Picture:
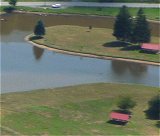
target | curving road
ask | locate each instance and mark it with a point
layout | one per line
(85, 4)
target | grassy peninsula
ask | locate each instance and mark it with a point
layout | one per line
(76, 110)
(97, 41)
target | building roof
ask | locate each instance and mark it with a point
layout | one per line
(119, 116)
(151, 46)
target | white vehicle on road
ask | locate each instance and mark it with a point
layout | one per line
(56, 5)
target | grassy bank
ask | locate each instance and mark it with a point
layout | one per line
(42, 0)
(151, 13)
(128, 1)
(76, 110)
(98, 41)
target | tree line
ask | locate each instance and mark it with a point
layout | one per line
(129, 29)
(153, 112)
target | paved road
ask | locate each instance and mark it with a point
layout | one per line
(85, 4)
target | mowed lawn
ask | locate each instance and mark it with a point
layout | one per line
(76, 110)
(150, 1)
(97, 41)
(151, 13)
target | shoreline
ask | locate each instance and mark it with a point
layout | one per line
(89, 55)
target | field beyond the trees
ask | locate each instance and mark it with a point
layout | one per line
(76, 110)
(135, 1)
(151, 13)
(96, 41)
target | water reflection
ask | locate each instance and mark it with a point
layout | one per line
(26, 22)
(38, 52)
(121, 67)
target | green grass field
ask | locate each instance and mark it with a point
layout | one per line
(145, 1)
(129, 1)
(75, 110)
(41, 0)
(98, 41)
(151, 13)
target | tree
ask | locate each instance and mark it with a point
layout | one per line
(107, 0)
(39, 29)
(12, 2)
(154, 108)
(8, 9)
(126, 103)
(123, 25)
(141, 31)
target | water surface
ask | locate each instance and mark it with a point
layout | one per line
(25, 67)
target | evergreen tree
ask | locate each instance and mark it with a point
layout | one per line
(39, 29)
(123, 25)
(12, 2)
(154, 108)
(141, 31)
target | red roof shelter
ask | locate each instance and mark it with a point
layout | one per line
(151, 47)
(119, 116)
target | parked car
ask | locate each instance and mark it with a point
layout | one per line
(56, 5)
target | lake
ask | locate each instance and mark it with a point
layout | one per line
(25, 67)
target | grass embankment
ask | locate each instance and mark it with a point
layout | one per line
(128, 1)
(41, 0)
(151, 13)
(139, 1)
(98, 41)
(76, 110)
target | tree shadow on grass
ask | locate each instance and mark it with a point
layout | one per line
(116, 44)
(137, 48)
(35, 38)
(147, 52)
(131, 48)
(158, 124)
(9, 9)
(114, 122)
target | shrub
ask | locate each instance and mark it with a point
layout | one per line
(126, 103)
(153, 111)
(8, 9)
